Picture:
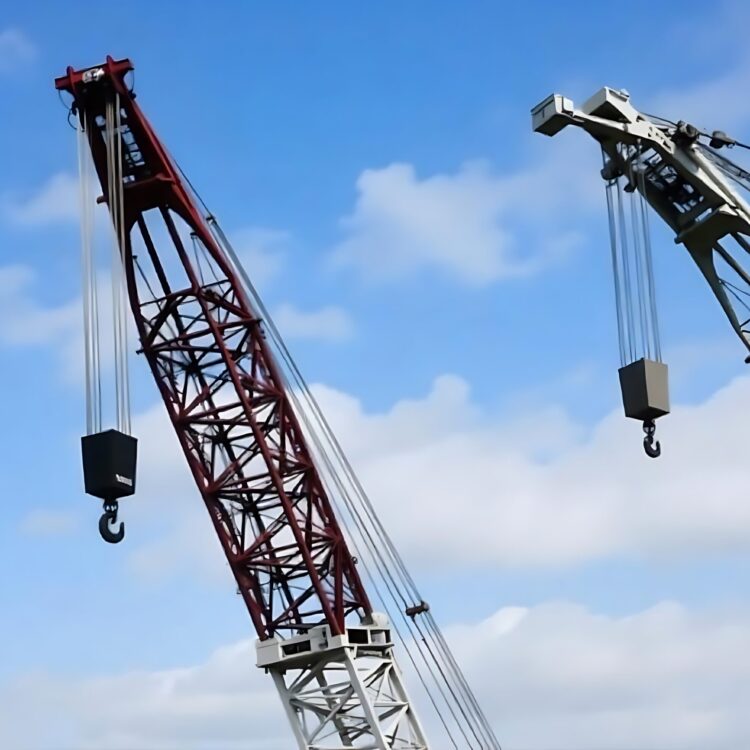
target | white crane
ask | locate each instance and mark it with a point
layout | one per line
(676, 169)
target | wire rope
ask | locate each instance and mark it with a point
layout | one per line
(394, 577)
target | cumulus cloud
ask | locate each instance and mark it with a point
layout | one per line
(476, 225)
(479, 225)
(57, 200)
(326, 324)
(47, 522)
(224, 703)
(541, 491)
(557, 675)
(712, 100)
(261, 251)
(26, 320)
(561, 676)
(16, 49)
(535, 491)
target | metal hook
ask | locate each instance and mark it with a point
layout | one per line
(109, 518)
(651, 446)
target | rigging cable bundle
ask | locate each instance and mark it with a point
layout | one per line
(109, 456)
(641, 365)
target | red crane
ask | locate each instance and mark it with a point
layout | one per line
(331, 656)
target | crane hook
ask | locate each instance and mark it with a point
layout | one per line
(109, 518)
(651, 446)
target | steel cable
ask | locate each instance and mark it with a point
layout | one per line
(89, 291)
(632, 257)
(461, 685)
(371, 531)
(115, 200)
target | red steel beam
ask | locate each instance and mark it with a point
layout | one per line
(220, 383)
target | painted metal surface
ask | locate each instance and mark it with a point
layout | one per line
(221, 386)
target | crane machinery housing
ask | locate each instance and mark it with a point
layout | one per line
(283, 501)
(677, 170)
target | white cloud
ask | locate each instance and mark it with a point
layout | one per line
(261, 252)
(552, 676)
(29, 322)
(167, 499)
(475, 225)
(326, 324)
(59, 327)
(224, 703)
(561, 676)
(711, 104)
(43, 522)
(57, 200)
(25, 320)
(16, 49)
(479, 225)
(711, 100)
(538, 490)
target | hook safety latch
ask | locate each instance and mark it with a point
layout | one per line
(651, 446)
(107, 522)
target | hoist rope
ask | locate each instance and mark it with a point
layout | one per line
(383, 566)
(386, 580)
(429, 643)
(626, 275)
(419, 635)
(92, 359)
(649, 258)
(124, 311)
(637, 250)
(631, 254)
(616, 276)
(115, 198)
(90, 289)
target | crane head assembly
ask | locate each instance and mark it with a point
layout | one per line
(676, 169)
(284, 501)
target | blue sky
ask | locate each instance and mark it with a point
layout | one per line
(442, 274)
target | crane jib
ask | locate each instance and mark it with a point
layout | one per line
(283, 499)
(220, 384)
(675, 169)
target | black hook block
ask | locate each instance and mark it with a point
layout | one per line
(109, 464)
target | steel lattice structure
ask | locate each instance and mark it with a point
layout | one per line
(230, 408)
(688, 183)
(221, 386)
